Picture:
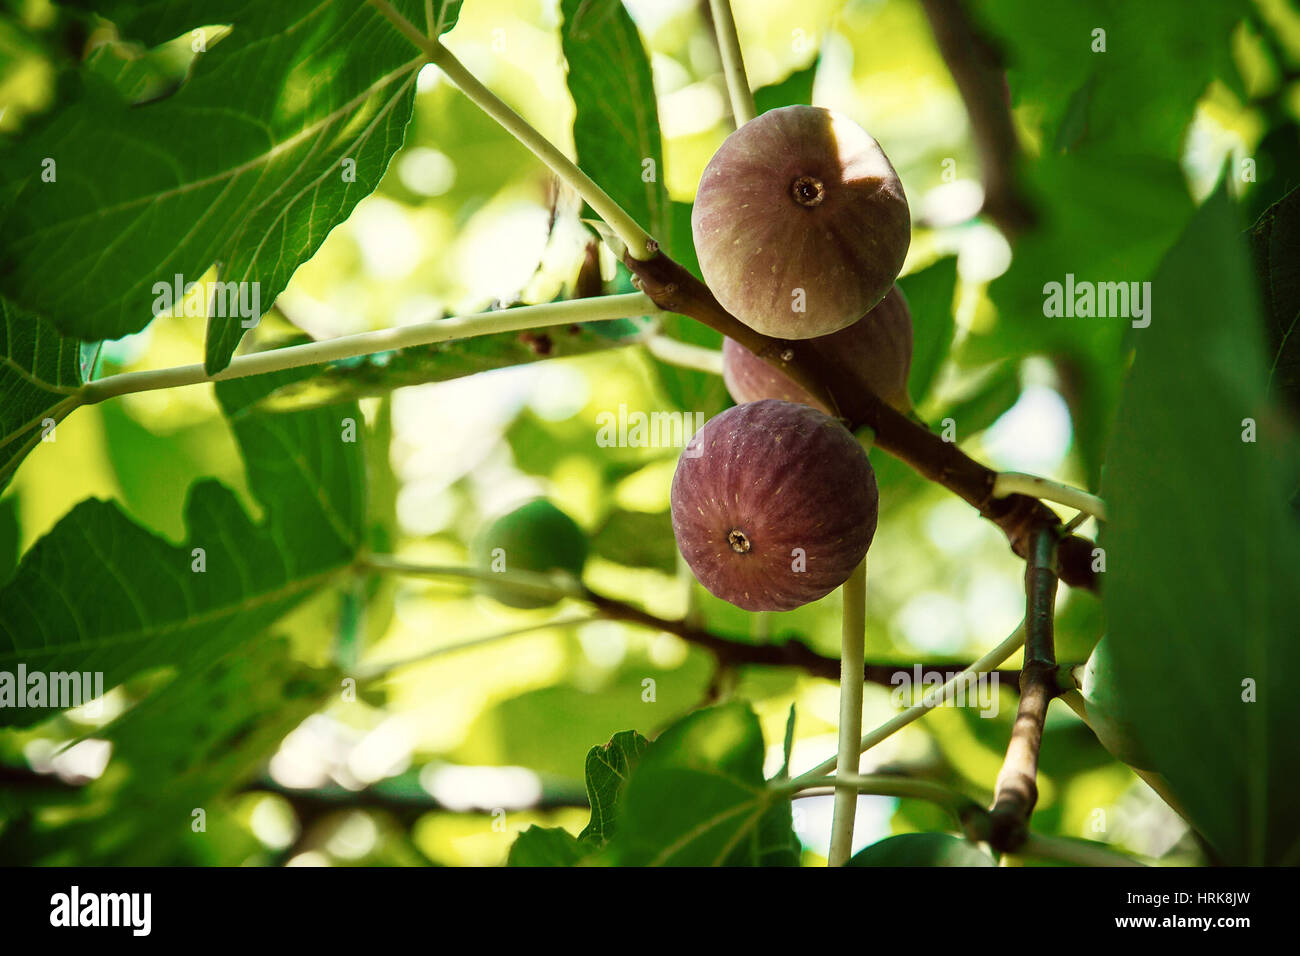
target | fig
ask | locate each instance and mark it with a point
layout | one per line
(800, 223)
(773, 505)
(878, 346)
(1106, 712)
(536, 537)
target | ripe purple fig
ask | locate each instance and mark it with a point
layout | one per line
(878, 346)
(773, 504)
(800, 223)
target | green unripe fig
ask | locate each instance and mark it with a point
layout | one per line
(1106, 711)
(536, 537)
(878, 346)
(800, 223)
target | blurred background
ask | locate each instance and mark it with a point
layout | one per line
(446, 758)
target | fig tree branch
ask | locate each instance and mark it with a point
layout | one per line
(728, 652)
(1016, 791)
(976, 69)
(823, 373)
(407, 807)
(637, 240)
(382, 340)
(733, 63)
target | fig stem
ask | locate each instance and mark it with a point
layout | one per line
(623, 306)
(733, 63)
(383, 669)
(684, 355)
(931, 699)
(638, 241)
(853, 640)
(1016, 483)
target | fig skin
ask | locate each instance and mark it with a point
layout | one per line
(538, 537)
(759, 481)
(800, 198)
(878, 346)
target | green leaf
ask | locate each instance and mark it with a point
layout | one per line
(244, 167)
(1139, 96)
(996, 392)
(608, 768)
(922, 849)
(796, 89)
(1109, 190)
(40, 373)
(616, 128)
(697, 797)
(1275, 242)
(929, 298)
(549, 729)
(1201, 550)
(200, 737)
(638, 539)
(9, 536)
(100, 593)
(546, 846)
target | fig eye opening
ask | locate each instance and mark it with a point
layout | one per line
(808, 191)
(739, 543)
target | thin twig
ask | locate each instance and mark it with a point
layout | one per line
(733, 63)
(976, 69)
(1015, 483)
(964, 810)
(637, 240)
(792, 652)
(684, 355)
(853, 648)
(1016, 791)
(384, 668)
(931, 700)
(382, 340)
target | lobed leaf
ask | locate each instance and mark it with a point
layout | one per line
(247, 166)
(100, 593)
